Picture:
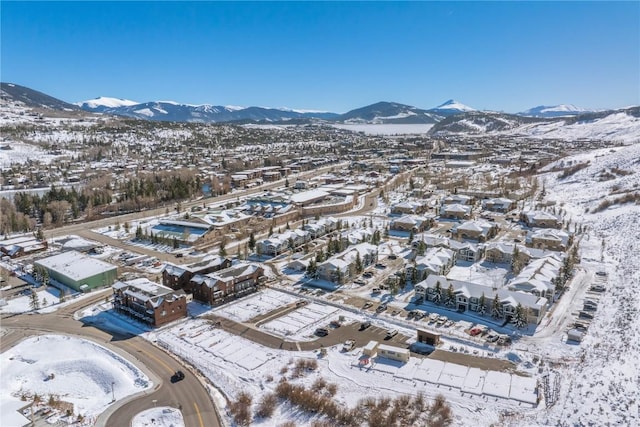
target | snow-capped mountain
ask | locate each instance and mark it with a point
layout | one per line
(614, 125)
(103, 103)
(174, 111)
(450, 108)
(562, 110)
(389, 112)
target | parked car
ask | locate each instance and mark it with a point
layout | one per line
(381, 308)
(504, 340)
(177, 376)
(367, 275)
(301, 303)
(360, 282)
(442, 320)
(381, 266)
(364, 325)
(433, 317)
(449, 323)
(492, 337)
(376, 291)
(348, 345)
(410, 315)
(420, 314)
(585, 315)
(322, 332)
(367, 305)
(601, 273)
(391, 333)
(598, 288)
(395, 312)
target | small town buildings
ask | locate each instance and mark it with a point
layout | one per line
(370, 349)
(149, 302)
(79, 271)
(224, 285)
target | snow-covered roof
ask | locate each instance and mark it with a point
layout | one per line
(75, 265)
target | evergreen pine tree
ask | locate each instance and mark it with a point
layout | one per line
(252, 241)
(451, 296)
(482, 309)
(34, 302)
(496, 308)
(437, 295)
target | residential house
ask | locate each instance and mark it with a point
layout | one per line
(551, 239)
(223, 285)
(539, 277)
(499, 204)
(413, 223)
(467, 251)
(475, 230)
(149, 302)
(540, 219)
(458, 199)
(455, 211)
(435, 261)
(343, 265)
(408, 208)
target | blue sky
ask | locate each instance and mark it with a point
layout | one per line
(333, 56)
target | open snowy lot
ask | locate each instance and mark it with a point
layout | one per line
(254, 305)
(235, 365)
(301, 323)
(72, 370)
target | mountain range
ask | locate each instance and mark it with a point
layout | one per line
(450, 118)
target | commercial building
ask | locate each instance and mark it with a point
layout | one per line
(78, 271)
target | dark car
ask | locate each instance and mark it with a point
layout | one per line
(178, 376)
(381, 308)
(322, 332)
(364, 325)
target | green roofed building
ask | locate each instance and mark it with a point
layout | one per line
(78, 271)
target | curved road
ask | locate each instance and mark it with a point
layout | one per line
(189, 394)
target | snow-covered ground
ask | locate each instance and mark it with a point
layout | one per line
(235, 364)
(72, 370)
(164, 416)
(599, 378)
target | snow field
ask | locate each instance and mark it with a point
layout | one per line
(302, 322)
(84, 373)
(254, 305)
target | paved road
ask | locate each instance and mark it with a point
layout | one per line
(189, 394)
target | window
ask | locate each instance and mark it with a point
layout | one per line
(163, 313)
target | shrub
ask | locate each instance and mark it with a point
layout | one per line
(267, 405)
(241, 409)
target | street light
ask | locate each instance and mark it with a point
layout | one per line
(154, 402)
(113, 394)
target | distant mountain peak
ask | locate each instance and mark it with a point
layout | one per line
(452, 104)
(560, 110)
(106, 102)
